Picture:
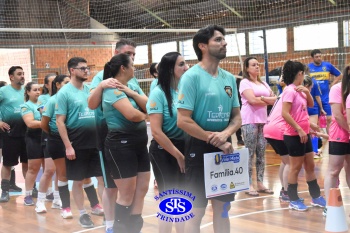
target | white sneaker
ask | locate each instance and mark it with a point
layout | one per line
(40, 207)
(97, 210)
(66, 213)
(56, 204)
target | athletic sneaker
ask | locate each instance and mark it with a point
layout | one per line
(85, 221)
(109, 230)
(319, 202)
(15, 188)
(324, 212)
(5, 196)
(49, 197)
(40, 207)
(28, 201)
(66, 213)
(284, 198)
(97, 210)
(297, 205)
(56, 204)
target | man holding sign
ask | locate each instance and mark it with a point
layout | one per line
(208, 111)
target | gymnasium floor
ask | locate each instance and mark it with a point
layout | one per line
(248, 214)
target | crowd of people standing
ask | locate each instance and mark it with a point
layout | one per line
(81, 131)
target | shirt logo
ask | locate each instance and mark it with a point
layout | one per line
(180, 97)
(324, 68)
(153, 105)
(117, 92)
(228, 91)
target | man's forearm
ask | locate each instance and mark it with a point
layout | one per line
(95, 97)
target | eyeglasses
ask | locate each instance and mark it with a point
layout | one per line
(83, 69)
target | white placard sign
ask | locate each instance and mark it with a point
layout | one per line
(225, 174)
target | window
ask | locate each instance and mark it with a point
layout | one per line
(276, 41)
(316, 36)
(346, 25)
(141, 56)
(232, 49)
(187, 51)
(158, 50)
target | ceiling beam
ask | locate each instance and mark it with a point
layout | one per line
(333, 2)
(153, 14)
(233, 10)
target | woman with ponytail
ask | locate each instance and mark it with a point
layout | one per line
(295, 100)
(168, 144)
(57, 153)
(126, 143)
(339, 147)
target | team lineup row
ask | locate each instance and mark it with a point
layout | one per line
(100, 131)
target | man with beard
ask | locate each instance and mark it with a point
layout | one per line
(208, 111)
(322, 71)
(11, 122)
(76, 126)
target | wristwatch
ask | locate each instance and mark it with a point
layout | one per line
(262, 97)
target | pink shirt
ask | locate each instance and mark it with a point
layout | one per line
(298, 110)
(336, 132)
(253, 114)
(275, 125)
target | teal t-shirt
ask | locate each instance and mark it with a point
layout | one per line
(49, 111)
(11, 100)
(80, 120)
(115, 120)
(42, 100)
(157, 103)
(154, 83)
(30, 107)
(210, 99)
(94, 83)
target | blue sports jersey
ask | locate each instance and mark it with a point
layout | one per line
(322, 75)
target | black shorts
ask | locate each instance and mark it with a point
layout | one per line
(13, 148)
(33, 145)
(339, 148)
(55, 147)
(101, 134)
(165, 167)
(295, 147)
(86, 165)
(279, 146)
(106, 172)
(194, 176)
(44, 137)
(126, 153)
(1, 140)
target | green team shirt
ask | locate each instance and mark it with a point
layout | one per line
(94, 83)
(157, 103)
(154, 83)
(210, 99)
(80, 120)
(42, 100)
(49, 111)
(115, 120)
(11, 100)
(30, 107)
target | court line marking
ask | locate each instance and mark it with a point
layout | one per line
(256, 212)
